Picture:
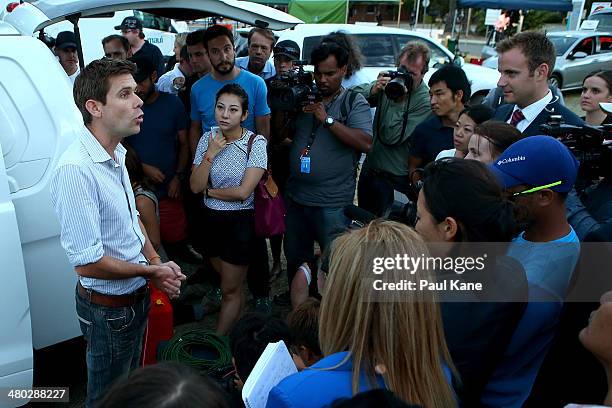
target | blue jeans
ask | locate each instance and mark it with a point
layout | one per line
(114, 341)
(305, 225)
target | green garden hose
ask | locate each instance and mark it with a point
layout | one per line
(180, 347)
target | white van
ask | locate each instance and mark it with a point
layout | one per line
(38, 120)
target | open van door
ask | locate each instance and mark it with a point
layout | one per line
(48, 12)
(16, 362)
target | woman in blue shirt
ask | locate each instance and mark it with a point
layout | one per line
(374, 338)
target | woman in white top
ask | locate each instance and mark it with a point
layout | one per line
(469, 118)
(227, 172)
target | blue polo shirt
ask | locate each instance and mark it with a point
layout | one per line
(429, 138)
(204, 92)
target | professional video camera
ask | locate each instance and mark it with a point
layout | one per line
(592, 146)
(293, 90)
(400, 84)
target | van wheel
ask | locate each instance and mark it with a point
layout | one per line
(555, 80)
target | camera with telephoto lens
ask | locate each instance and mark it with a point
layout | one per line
(293, 90)
(400, 84)
(592, 146)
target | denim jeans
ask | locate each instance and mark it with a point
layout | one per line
(114, 341)
(305, 225)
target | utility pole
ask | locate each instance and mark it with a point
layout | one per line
(399, 12)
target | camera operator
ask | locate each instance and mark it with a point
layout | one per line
(330, 136)
(526, 62)
(399, 110)
(282, 127)
(591, 209)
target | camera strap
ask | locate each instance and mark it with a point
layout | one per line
(349, 96)
(401, 137)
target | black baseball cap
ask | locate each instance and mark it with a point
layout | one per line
(129, 23)
(65, 39)
(288, 48)
(144, 67)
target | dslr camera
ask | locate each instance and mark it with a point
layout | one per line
(400, 84)
(293, 90)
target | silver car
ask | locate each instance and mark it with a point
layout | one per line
(578, 54)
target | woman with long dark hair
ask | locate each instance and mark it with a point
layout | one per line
(463, 212)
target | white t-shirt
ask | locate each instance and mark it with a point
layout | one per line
(446, 153)
(357, 78)
(72, 77)
(228, 168)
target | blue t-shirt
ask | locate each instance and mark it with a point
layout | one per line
(548, 264)
(204, 92)
(157, 143)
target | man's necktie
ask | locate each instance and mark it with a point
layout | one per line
(517, 116)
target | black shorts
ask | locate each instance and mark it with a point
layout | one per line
(229, 235)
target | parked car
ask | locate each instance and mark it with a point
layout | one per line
(578, 53)
(381, 46)
(38, 121)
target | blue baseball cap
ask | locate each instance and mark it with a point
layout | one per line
(537, 161)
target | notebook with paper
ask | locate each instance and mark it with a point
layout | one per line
(274, 365)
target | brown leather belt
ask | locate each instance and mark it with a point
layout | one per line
(113, 300)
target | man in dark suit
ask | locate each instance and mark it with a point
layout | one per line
(526, 61)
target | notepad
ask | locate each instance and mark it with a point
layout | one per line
(274, 364)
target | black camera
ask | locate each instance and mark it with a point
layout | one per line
(400, 84)
(592, 146)
(293, 90)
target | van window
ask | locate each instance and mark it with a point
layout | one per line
(377, 50)
(154, 22)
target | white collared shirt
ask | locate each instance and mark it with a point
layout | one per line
(268, 71)
(95, 206)
(165, 83)
(531, 112)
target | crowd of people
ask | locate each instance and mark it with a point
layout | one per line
(167, 167)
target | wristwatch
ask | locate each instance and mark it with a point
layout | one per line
(328, 122)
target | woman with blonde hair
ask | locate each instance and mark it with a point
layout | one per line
(374, 338)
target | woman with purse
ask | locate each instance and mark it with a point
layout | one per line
(227, 170)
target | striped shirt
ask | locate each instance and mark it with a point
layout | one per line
(95, 205)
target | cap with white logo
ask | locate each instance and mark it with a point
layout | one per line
(537, 161)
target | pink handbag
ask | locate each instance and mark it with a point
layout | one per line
(269, 206)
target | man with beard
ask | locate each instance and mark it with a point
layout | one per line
(163, 148)
(219, 45)
(66, 51)
(261, 41)
(329, 139)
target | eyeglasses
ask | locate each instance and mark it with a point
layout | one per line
(538, 188)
